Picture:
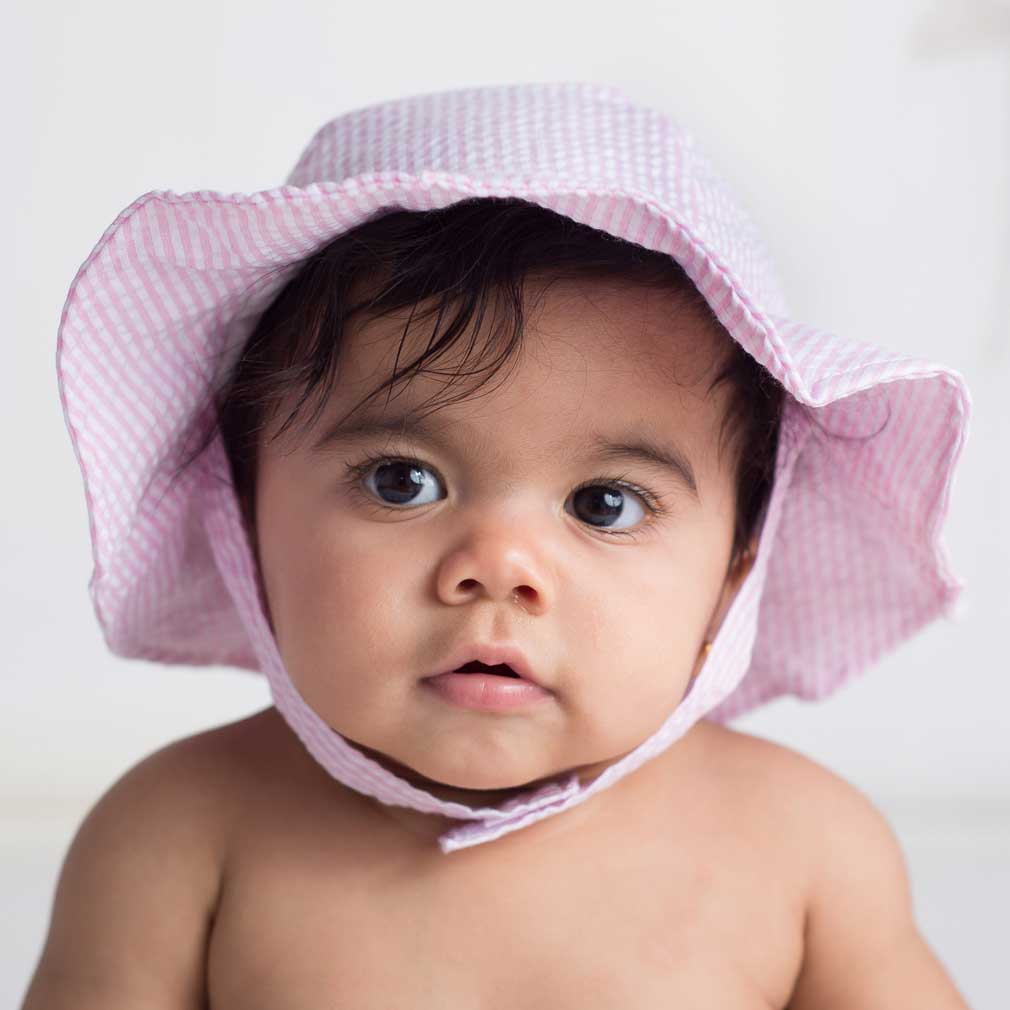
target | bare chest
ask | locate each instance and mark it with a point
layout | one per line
(607, 921)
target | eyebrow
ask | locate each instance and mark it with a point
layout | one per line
(634, 447)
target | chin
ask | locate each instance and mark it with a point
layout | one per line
(472, 779)
(432, 777)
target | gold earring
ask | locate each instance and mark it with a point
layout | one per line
(706, 648)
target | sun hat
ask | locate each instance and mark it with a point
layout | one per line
(850, 561)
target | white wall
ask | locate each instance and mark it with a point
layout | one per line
(872, 141)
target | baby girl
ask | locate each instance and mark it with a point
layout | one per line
(487, 439)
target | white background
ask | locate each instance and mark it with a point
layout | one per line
(871, 140)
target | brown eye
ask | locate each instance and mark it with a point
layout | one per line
(401, 482)
(604, 505)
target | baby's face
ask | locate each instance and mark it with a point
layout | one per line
(375, 573)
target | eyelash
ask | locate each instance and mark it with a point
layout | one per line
(653, 504)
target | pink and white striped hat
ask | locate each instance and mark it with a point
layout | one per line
(850, 560)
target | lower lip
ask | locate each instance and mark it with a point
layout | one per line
(487, 692)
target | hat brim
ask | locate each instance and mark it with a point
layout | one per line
(161, 308)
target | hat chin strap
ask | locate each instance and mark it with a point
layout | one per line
(723, 669)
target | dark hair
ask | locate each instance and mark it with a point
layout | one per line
(463, 257)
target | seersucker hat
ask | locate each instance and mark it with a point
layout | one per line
(850, 560)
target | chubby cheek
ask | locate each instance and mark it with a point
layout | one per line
(640, 668)
(341, 610)
(636, 635)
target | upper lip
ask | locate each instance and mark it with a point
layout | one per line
(491, 654)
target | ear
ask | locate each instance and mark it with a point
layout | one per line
(731, 585)
(734, 580)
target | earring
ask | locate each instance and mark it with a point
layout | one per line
(706, 648)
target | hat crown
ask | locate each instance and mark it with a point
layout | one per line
(574, 136)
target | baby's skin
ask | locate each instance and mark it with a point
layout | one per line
(229, 870)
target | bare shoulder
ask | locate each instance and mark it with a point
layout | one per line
(197, 782)
(784, 780)
(791, 787)
(776, 795)
(139, 885)
(862, 947)
(834, 830)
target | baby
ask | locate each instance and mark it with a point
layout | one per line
(487, 440)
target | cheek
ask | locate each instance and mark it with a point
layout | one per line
(333, 596)
(639, 629)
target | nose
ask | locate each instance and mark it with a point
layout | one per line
(495, 565)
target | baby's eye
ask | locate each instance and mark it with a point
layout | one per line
(601, 504)
(403, 481)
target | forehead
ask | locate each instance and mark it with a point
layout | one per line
(600, 356)
(593, 329)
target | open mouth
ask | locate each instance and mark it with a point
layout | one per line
(499, 669)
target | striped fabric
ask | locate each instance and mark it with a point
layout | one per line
(850, 561)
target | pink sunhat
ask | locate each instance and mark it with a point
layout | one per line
(850, 560)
